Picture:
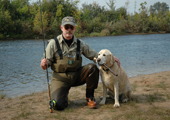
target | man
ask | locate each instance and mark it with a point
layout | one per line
(63, 54)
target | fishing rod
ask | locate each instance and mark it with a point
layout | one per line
(51, 103)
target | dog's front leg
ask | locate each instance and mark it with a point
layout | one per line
(104, 95)
(116, 89)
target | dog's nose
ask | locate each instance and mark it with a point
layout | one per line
(98, 59)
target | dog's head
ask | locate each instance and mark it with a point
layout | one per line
(105, 57)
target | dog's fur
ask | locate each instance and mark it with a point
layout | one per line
(117, 85)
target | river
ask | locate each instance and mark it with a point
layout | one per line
(20, 71)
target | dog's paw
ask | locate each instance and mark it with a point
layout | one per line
(116, 105)
(102, 102)
(125, 100)
(101, 97)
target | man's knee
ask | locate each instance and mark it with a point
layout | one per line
(61, 98)
(93, 76)
(61, 104)
(92, 67)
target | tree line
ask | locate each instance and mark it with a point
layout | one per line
(20, 19)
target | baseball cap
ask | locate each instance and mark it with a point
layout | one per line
(68, 20)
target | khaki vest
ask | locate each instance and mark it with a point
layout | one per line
(64, 63)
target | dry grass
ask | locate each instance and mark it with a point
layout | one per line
(150, 100)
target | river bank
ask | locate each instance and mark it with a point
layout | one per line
(88, 35)
(150, 100)
(21, 73)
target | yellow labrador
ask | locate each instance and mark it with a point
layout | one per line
(117, 85)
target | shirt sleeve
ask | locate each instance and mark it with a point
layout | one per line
(50, 50)
(87, 51)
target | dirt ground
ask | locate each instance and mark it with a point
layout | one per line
(150, 100)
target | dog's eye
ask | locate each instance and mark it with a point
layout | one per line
(98, 54)
(104, 54)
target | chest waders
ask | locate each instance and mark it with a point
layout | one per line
(64, 64)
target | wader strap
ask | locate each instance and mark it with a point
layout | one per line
(78, 49)
(58, 48)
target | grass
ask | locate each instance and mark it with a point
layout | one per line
(134, 86)
(23, 113)
(162, 85)
(156, 97)
(149, 104)
(168, 96)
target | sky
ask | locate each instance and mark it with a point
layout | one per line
(121, 3)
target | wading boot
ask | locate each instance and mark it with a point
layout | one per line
(91, 102)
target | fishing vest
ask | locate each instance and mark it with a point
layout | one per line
(63, 64)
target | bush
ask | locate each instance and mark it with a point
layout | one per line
(113, 34)
(105, 32)
(80, 35)
(2, 37)
(119, 26)
(95, 34)
(26, 28)
(94, 25)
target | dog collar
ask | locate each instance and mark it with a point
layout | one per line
(106, 70)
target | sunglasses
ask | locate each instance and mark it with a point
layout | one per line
(68, 26)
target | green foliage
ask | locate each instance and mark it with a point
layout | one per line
(91, 11)
(119, 26)
(105, 32)
(20, 9)
(142, 6)
(159, 7)
(38, 24)
(77, 17)
(94, 25)
(2, 36)
(59, 14)
(111, 4)
(5, 23)
(20, 19)
(95, 34)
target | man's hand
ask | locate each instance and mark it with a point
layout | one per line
(44, 64)
(117, 60)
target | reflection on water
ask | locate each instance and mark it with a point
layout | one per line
(20, 60)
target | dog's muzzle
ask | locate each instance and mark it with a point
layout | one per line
(98, 61)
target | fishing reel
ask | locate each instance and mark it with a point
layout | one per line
(52, 103)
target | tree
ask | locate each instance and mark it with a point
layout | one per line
(5, 22)
(159, 7)
(92, 10)
(144, 17)
(142, 6)
(5, 4)
(121, 12)
(59, 14)
(37, 22)
(111, 4)
(20, 9)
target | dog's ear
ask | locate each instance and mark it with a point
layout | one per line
(112, 59)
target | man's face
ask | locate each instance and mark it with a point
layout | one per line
(68, 31)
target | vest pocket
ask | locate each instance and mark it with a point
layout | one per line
(66, 64)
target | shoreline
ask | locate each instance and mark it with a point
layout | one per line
(150, 100)
(41, 38)
(45, 88)
(143, 75)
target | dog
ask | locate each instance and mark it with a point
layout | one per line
(117, 85)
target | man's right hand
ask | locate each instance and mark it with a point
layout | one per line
(44, 64)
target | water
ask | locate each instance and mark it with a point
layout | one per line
(20, 71)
